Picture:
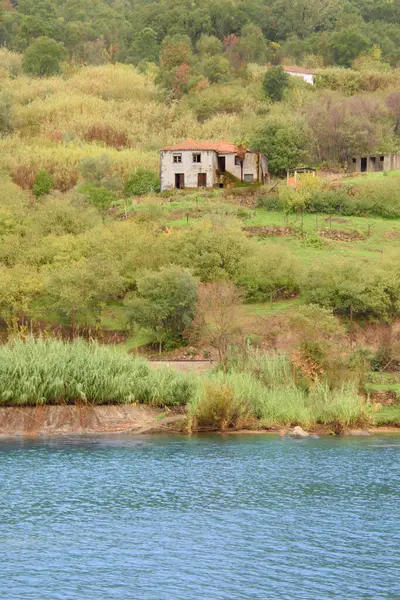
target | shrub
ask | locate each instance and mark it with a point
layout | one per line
(5, 113)
(217, 407)
(42, 184)
(108, 135)
(215, 100)
(141, 182)
(100, 197)
(24, 176)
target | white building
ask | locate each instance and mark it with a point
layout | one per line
(192, 164)
(305, 74)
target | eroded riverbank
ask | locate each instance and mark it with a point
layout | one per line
(109, 419)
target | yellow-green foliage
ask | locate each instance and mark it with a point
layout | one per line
(53, 118)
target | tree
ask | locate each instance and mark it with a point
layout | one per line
(98, 171)
(43, 57)
(145, 46)
(165, 302)
(209, 45)
(347, 44)
(346, 288)
(217, 318)
(282, 143)
(216, 68)
(344, 128)
(141, 182)
(253, 44)
(276, 80)
(393, 104)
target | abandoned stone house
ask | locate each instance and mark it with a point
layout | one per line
(373, 163)
(192, 164)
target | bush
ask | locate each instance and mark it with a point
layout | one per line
(100, 197)
(141, 182)
(108, 135)
(215, 100)
(42, 184)
(217, 407)
(5, 113)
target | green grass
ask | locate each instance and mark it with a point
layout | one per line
(265, 309)
(366, 177)
(383, 387)
(388, 415)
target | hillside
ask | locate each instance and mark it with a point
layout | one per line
(89, 248)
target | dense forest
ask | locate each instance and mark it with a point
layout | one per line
(323, 32)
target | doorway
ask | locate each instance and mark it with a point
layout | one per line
(202, 180)
(221, 164)
(179, 181)
(373, 163)
(363, 165)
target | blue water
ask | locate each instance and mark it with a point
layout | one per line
(193, 518)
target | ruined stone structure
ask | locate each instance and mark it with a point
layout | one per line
(373, 162)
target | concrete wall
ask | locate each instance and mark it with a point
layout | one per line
(168, 168)
(308, 77)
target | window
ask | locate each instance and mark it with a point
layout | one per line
(354, 160)
(196, 158)
(177, 158)
(249, 177)
(237, 160)
(382, 158)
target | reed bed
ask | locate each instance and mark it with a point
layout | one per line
(45, 371)
(35, 372)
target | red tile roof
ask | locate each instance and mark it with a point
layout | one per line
(190, 144)
(294, 69)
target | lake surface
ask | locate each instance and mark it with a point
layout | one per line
(200, 518)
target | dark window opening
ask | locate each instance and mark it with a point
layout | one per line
(196, 158)
(179, 181)
(177, 158)
(354, 160)
(363, 165)
(221, 164)
(237, 160)
(382, 158)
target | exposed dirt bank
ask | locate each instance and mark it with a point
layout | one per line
(59, 420)
(135, 419)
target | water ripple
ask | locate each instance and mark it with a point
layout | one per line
(205, 518)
